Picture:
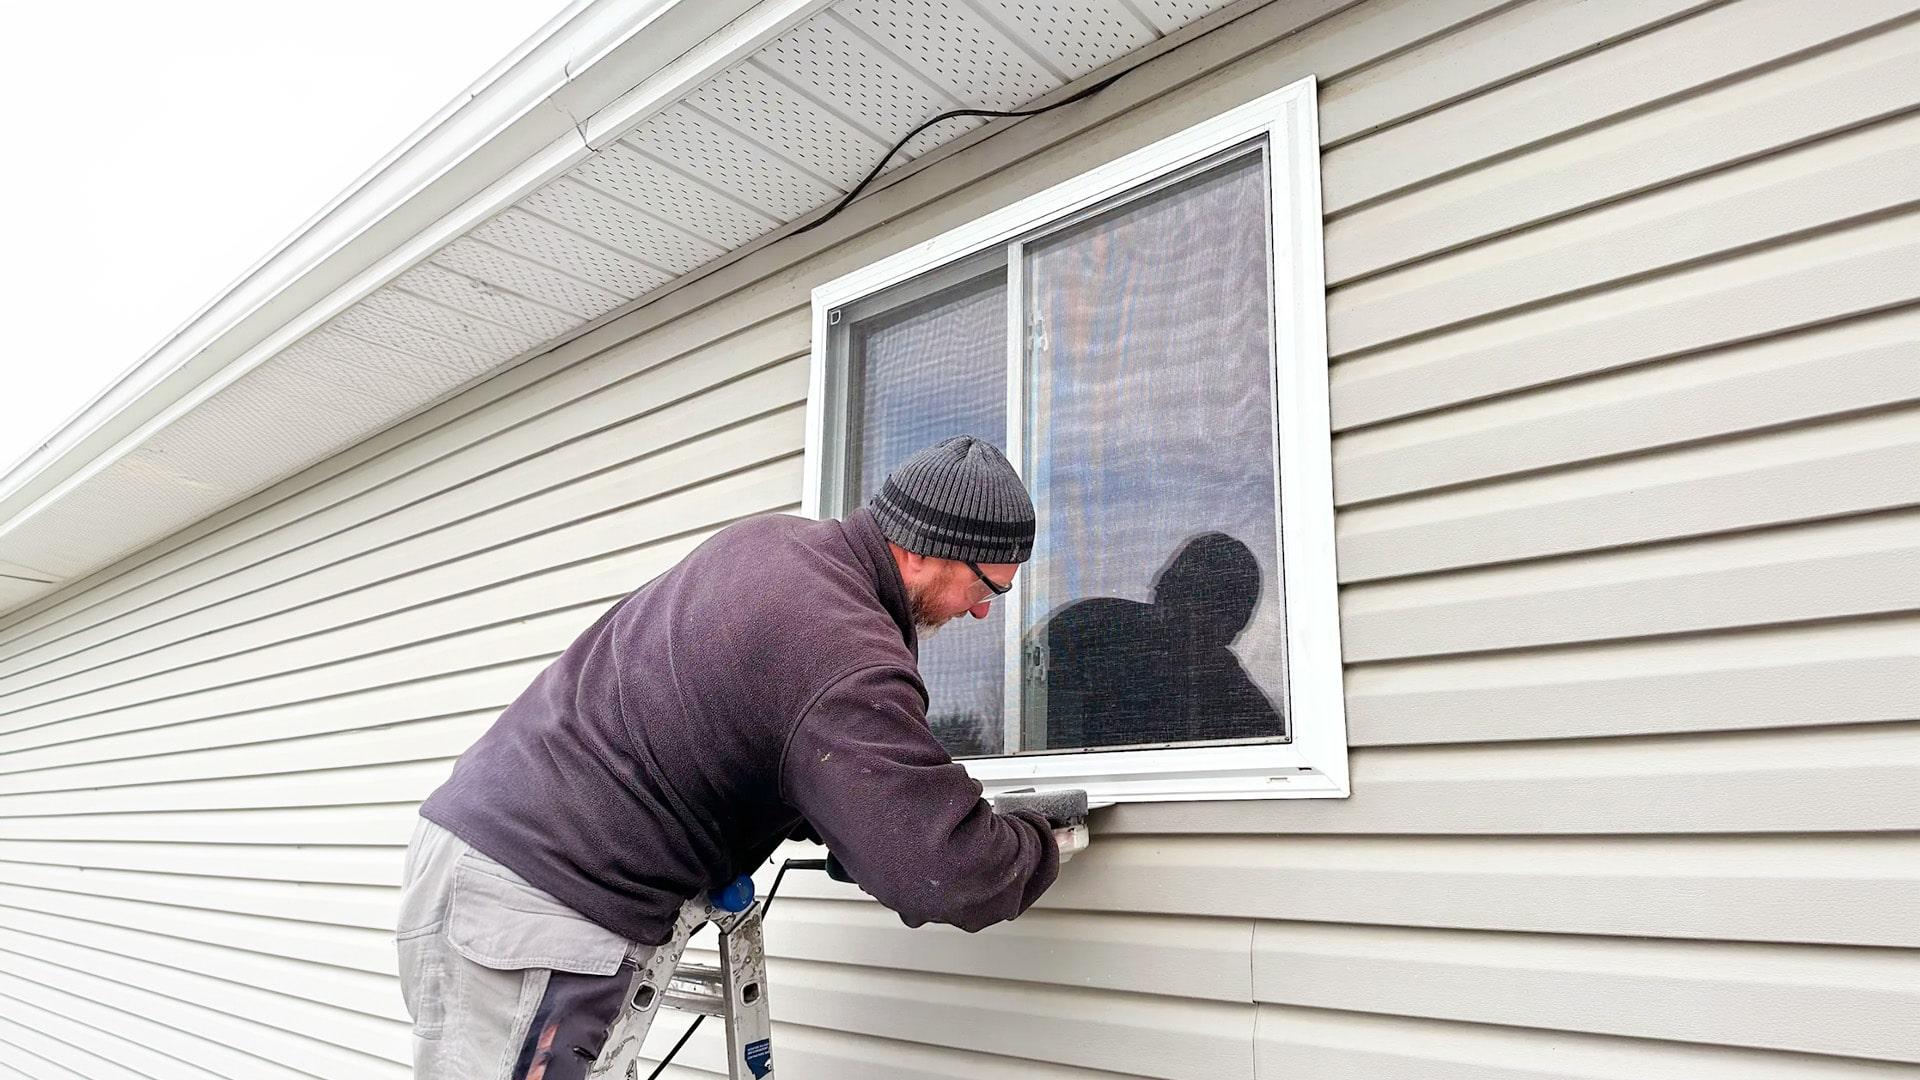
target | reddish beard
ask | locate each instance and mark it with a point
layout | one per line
(926, 621)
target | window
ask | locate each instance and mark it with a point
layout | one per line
(1147, 344)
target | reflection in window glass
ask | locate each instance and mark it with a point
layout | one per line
(921, 373)
(1153, 607)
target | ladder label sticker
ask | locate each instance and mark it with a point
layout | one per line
(759, 1055)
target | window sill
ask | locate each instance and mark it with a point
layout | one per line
(1194, 774)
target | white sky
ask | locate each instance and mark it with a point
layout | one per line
(157, 150)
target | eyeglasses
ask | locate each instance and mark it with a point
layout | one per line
(997, 590)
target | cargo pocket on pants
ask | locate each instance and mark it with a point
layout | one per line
(423, 986)
(553, 1020)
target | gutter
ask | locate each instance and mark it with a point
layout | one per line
(593, 71)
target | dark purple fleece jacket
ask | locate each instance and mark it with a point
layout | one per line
(767, 682)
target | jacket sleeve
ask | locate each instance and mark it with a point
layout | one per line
(904, 819)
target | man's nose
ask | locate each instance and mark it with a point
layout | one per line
(981, 610)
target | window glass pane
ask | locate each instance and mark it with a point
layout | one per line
(921, 372)
(1153, 606)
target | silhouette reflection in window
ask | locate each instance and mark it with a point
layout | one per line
(1122, 672)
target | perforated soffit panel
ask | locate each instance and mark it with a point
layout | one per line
(777, 135)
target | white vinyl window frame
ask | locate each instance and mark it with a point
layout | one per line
(1313, 762)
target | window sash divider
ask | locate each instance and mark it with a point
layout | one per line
(1013, 687)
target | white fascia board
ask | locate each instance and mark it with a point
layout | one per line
(614, 61)
(603, 120)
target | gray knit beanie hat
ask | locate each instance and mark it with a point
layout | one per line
(957, 499)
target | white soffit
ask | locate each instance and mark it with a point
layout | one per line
(752, 143)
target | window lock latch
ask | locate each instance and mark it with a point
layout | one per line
(1036, 663)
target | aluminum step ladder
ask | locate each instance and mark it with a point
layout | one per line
(734, 990)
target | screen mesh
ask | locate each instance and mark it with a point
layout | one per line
(1153, 609)
(920, 373)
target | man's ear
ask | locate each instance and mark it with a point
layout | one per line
(914, 567)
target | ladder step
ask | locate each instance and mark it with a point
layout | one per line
(695, 988)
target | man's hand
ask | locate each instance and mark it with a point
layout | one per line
(1071, 840)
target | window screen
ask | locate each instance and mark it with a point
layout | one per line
(920, 373)
(1151, 613)
(1152, 609)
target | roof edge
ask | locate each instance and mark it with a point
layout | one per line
(527, 119)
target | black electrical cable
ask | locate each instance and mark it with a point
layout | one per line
(950, 115)
(804, 864)
(790, 864)
(668, 1060)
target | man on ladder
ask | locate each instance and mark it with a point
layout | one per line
(765, 687)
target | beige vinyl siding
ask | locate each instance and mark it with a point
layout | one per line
(1623, 306)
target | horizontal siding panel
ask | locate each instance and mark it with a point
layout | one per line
(14, 591)
(381, 580)
(1860, 890)
(41, 1068)
(105, 1049)
(105, 740)
(1773, 109)
(1858, 1002)
(331, 905)
(1831, 570)
(390, 782)
(7, 1050)
(1731, 784)
(526, 636)
(354, 658)
(388, 744)
(340, 865)
(841, 1055)
(533, 637)
(1170, 1038)
(389, 824)
(676, 492)
(220, 1043)
(1778, 677)
(1851, 271)
(1852, 176)
(1519, 40)
(672, 450)
(1177, 957)
(492, 435)
(1855, 366)
(1295, 1042)
(1832, 470)
(348, 967)
(1721, 42)
(292, 996)
(588, 560)
(1845, 780)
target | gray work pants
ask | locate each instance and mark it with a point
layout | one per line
(503, 981)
